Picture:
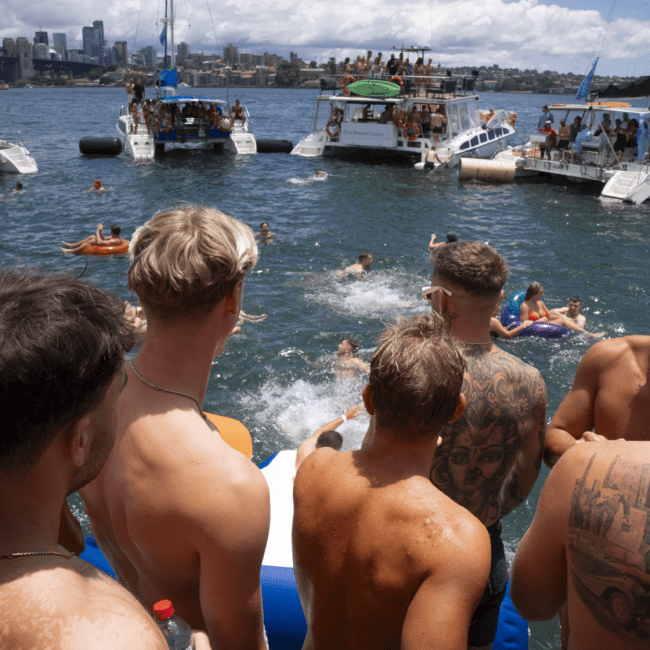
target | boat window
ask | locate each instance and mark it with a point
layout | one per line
(453, 120)
(463, 112)
(491, 135)
(474, 116)
(498, 131)
(474, 141)
(465, 145)
(483, 137)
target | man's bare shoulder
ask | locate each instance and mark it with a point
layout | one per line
(73, 606)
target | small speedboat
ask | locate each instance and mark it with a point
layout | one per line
(16, 159)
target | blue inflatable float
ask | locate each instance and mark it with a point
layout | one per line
(283, 617)
(510, 314)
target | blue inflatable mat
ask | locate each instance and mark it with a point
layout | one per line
(510, 314)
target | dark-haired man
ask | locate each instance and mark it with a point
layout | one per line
(374, 541)
(357, 270)
(97, 239)
(347, 363)
(490, 457)
(61, 373)
(572, 311)
(177, 512)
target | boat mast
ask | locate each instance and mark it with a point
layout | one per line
(171, 3)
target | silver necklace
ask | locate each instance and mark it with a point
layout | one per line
(168, 390)
(10, 556)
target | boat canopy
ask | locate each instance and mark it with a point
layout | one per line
(187, 99)
(630, 89)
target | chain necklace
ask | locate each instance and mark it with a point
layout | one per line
(168, 390)
(10, 556)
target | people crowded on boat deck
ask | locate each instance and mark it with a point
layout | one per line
(163, 124)
(187, 268)
(490, 457)
(347, 363)
(138, 91)
(608, 399)
(265, 233)
(544, 117)
(362, 549)
(357, 270)
(604, 126)
(97, 239)
(401, 66)
(585, 555)
(391, 66)
(533, 308)
(62, 373)
(378, 66)
(327, 435)
(97, 187)
(545, 149)
(238, 112)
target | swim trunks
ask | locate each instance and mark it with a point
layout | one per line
(483, 626)
(437, 129)
(563, 144)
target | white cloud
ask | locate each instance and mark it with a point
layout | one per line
(523, 33)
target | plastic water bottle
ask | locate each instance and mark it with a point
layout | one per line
(176, 631)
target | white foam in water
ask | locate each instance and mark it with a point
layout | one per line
(306, 181)
(383, 295)
(292, 412)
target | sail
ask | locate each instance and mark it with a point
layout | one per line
(583, 91)
(629, 89)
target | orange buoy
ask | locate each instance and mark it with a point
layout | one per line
(234, 433)
(118, 249)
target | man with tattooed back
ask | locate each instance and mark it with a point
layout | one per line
(490, 457)
(587, 551)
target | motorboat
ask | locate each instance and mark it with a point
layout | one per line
(350, 123)
(16, 159)
(592, 156)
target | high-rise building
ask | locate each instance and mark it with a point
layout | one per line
(99, 26)
(41, 37)
(183, 51)
(90, 37)
(9, 46)
(60, 44)
(230, 55)
(149, 54)
(121, 53)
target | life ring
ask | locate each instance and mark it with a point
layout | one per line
(512, 118)
(510, 314)
(411, 136)
(118, 249)
(234, 433)
(345, 82)
(397, 80)
(222, 124)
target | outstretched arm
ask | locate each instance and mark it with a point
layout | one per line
(510, 332)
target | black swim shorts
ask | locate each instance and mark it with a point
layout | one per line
(563, 144)
(483, 626)
(437, 129)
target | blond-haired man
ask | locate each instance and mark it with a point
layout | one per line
(178, 513)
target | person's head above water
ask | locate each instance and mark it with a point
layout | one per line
(347, 346)
(97, 183)
(264, 227)
(185, 261)
(451, 237)
(115, 230)
(365, 259)
(416, 375)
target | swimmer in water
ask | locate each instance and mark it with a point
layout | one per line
(95, 240)
(320, 175)
(265, 233)
(18, 189)
(97, 187)
(348, 365)
(357, 270)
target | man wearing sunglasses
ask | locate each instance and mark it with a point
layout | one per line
(490, 457)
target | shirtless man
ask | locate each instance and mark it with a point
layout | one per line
(375, 568)
(387, 116)
(59, 420)
(610, 394)
(572, 311)
(563, 136)
(438, 121)
(347, 364)
(489, 458)
(177, 512)
(129, 90)
(97, 187)
(95, 240)
(238, 112)
(357, 270)
(586, 552)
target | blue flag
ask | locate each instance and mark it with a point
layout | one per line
(169, 78)
(163, 35)
(583, 91)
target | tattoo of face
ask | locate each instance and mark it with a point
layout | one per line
(479, 449)
(609, 545)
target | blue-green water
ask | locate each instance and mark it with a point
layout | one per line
(563, 236)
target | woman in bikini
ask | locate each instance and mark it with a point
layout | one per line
(534, 309)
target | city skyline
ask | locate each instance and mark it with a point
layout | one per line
(526, 34)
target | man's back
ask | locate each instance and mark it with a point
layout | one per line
(377, 556)
(588, 544)
(67, 603)
(484, 462)
(167, 512)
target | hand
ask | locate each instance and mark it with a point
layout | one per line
(201, 641)
(354, 411)
(100, 226)
(433, 239)
(527, 323)
(590, 436)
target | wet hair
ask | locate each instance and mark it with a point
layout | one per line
(115, 230)
(185, 261)
(331, 439)
(353, 343)
(473, 266)
(533, 288)
(19, 185)
(451, 237)
(264, 223)
(364, 256)
(61, 344)
(575, 299)
(416, 374)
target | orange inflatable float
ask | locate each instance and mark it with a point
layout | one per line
(233, 433)
(118, 249)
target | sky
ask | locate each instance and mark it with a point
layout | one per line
(562, 36)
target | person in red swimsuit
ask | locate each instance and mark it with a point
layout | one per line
(534, 309)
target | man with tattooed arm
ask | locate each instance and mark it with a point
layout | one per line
(490, 457)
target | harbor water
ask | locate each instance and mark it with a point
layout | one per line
(562, 235)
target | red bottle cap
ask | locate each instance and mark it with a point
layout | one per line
(163, 609)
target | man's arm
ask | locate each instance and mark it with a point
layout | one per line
(231, 537)
(574, 418)
(528, 462)
(439, 615)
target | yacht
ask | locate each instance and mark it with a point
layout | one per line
(379, 128)
(592, 157)
(16, 159)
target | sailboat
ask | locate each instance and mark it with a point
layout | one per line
(184, 121)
